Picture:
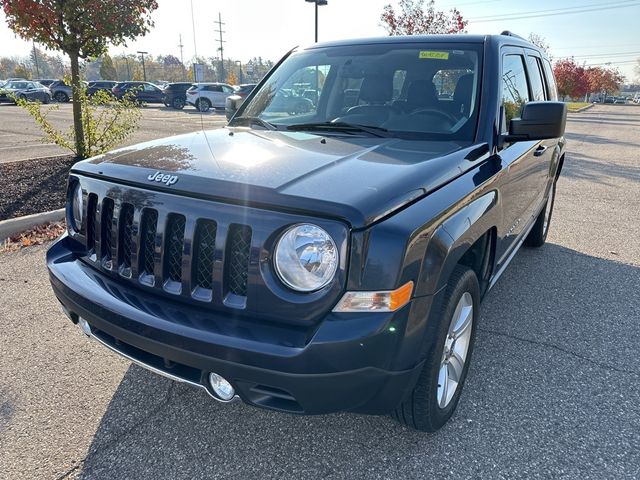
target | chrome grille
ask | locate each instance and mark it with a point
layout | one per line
(173, 247)
(238, 246)
(148, 240)
(171, 251)
(92, 205)
(106, 235)
(204, 252)
(125, 239)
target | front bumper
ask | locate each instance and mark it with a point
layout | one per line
(347, 362)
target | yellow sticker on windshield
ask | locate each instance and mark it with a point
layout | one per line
(436, 55)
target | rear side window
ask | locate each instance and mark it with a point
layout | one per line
(535, 79)
(515, 91)
(551, 83)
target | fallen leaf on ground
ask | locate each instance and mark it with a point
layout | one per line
(36, 236)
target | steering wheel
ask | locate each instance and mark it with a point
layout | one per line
(435, 112)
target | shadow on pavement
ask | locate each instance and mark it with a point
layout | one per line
(555, 373)
(578, 166)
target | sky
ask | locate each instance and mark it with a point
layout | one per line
(593, 31)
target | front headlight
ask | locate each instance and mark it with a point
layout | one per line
(306, 258)
(76, 207)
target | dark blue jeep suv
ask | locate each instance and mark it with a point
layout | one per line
(332, 258)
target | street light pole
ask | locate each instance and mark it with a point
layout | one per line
(318, 3)
(144, 70)
(239, 63)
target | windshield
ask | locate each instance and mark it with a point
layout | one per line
(421, 91)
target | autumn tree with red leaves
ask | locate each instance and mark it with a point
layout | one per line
(80, 29)
(414, 19)
(571, 78)
(603, 80)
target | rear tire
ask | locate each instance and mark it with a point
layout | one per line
(538, 234)
(178, 103)
(46, 100)
(449, 338)
(203, 105)
(61, 97)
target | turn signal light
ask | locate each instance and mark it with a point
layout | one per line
(385, 301)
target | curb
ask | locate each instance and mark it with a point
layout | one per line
(45, 157)
(587, 107)
(9, 228)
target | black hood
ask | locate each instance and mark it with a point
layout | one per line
(357, 179)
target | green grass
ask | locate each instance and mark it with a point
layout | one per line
(575, 106)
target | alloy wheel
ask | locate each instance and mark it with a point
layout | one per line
(456, 347)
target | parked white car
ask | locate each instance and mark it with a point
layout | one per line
(205, 96)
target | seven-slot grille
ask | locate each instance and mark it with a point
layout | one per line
(169, 251)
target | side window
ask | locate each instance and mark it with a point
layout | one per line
(551, 83)
(535, 79)
(515, 92)
(227, 89)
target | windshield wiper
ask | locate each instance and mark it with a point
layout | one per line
(248, 121)
(341, 127)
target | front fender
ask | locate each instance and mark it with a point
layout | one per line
(453, 238)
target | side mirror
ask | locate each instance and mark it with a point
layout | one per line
(539, 121)
(232, 104)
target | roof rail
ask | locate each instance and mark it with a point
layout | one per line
(511, 34)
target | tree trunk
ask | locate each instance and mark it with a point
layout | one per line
(77, 107)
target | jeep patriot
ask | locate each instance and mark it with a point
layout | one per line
(331, 258)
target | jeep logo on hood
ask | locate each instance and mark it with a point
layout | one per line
(163, 178)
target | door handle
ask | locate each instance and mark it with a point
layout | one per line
(540, 151)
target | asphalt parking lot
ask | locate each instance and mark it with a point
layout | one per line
(21, 138)
(553, 390)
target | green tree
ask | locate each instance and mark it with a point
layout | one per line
(22, 71)
(106, 122)
(107, 69)
(80, 29)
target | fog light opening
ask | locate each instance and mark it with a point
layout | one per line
(221, 388)
(84, 325)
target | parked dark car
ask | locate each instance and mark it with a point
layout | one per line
(100, 86)
(331, 259)
(245, 89)
(46, 81)
(175, 94)
(142, 91)
(24, 89)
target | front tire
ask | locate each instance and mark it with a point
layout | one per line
(538, 234)
(449, 337)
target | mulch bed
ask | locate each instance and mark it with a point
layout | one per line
(33, 186)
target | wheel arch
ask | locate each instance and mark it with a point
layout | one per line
(468, 237)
